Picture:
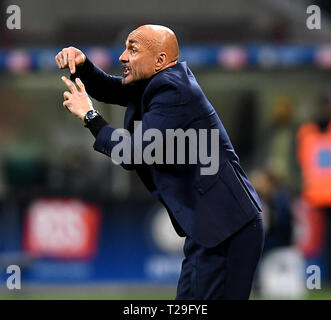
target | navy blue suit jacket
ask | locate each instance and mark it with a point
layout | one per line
(208, 208)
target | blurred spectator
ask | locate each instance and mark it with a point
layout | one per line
(280, 151)
(277, 216)
(314, 158)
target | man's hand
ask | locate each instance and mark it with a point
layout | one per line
(70, 57)
(77, 100)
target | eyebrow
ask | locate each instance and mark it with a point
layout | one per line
(130, 42)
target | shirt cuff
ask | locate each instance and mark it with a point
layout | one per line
(96, 124)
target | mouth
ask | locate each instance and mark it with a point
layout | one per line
(126, 71)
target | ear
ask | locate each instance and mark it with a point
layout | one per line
(161, 61)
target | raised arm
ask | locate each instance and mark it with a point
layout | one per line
(99, 85)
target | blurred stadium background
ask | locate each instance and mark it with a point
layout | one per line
(77, 238)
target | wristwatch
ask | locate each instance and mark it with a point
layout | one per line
(90, 115)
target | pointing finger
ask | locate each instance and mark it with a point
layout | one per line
(69, 84)
(71, 57)
(80, 85)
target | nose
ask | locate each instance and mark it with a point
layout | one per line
(124, 57)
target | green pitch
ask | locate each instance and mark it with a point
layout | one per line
(157, 295)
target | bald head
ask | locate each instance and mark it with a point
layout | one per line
(158, 39)
(149, 50)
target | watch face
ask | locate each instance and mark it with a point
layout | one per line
(91, 115)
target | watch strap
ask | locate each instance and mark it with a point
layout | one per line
(96, 124)
(90, 115)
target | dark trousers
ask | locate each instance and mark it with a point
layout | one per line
(223, 272)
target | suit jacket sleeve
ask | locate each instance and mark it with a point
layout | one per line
(100, 85)
(160, 115)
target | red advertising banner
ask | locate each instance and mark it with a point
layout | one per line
(61, 228)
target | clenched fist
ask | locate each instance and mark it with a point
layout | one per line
(70, 57)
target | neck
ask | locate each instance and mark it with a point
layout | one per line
(168, 65)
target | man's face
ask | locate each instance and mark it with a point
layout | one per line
(138, 58)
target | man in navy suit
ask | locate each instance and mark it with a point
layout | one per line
(215, 208)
